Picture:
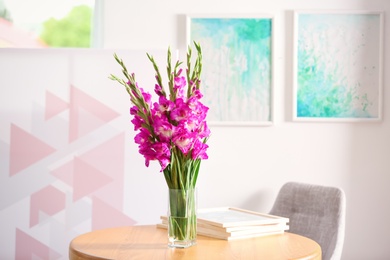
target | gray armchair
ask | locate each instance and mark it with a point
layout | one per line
(315, 211)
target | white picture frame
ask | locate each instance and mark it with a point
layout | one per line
(237, 87)
(337, 66)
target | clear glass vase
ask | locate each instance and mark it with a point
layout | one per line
(182, 205)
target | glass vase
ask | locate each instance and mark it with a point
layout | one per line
(182, 207)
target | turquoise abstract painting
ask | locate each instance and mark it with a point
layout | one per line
(338, 66)
(237, 68)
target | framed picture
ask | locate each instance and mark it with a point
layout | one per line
(237, 75)
(337, 66)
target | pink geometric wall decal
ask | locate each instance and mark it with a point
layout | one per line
(87, 179)
(87, 122)
(28, 247)
(83, 191)
(25, 149)
(64, 173)
(79, 99)
(105, 216)
(108, 157)
(39, 202)
(54, 105)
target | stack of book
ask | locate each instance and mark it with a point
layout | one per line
(234, 223)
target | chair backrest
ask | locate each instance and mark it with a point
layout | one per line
(315, 211)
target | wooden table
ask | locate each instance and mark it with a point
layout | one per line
(150, 242)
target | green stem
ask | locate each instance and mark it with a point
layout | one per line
(182, 215)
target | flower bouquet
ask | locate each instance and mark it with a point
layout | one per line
(174, 132)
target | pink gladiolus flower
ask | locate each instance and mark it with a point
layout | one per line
(197, 94)
(183, 140)
(199, 151)
(180, 111)
(147, 96)
(191, 124)
(164, 162)
(163, 129)
(137, 122)
(149, 154)
(198, 109)
(133, 110)
(142, 137)
(163, 154)
(203, 130)
(158, 90)
(165, 104)
(180, 83)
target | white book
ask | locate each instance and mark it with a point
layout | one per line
(250, 231)
(229, 217)
(233, 223)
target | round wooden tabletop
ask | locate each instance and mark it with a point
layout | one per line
(150, 242)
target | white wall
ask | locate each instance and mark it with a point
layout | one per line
(247, 165)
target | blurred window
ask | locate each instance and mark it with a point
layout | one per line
(49, 23)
